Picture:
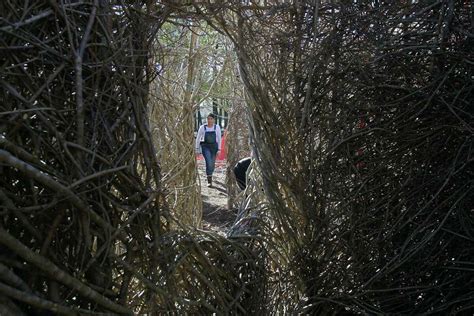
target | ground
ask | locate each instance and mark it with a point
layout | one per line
(215, 214)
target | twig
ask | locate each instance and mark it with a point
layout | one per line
(53, 271)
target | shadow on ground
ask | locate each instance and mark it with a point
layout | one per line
(215, 215)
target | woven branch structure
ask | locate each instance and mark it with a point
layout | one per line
(361, 191)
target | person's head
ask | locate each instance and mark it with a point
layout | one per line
(211, 118)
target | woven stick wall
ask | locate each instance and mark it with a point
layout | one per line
(172, 123)
(237, 142)
(82, 206)
(363, 134)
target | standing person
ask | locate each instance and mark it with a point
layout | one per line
(208, 142)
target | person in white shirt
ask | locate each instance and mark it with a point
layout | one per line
(208, 142)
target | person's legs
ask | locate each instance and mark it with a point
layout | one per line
(212, 164)
(209, 154)
(206, 152)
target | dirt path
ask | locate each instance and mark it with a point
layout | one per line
(215, 214)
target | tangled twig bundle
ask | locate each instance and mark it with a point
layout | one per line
(238, 147)
(172, 126)
(363, 130)
(80, 186)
